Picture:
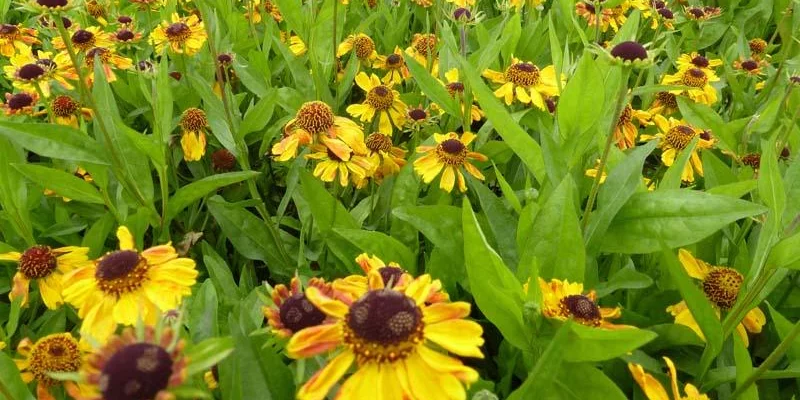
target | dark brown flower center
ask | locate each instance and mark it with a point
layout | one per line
(523, 74)
(658, 4)
(37, 262)
(363, 46)
(8, 29)
(298, 313)
(135, 372)
(696, 12)
(666, 13)
(20, 100)
(582, 308)
(394, 60)
(752, 159)
(721, 286)
(462, 13)
(380, 98)
(82, 36)
(54, 353)
(417, 114)
(29, 72)
(52, 3)
(223, 160)
(125, 35)
(453, 146)
(629, 51)
(694, 77)
(626, 115)
(667, 99)
(700, 62)
(749, 65)
(455, 88)
(224, 58)
(102, 53)
(315, 117)
(124, 19)
(384, 317)
(178, 32)
(390, 275)
(589, 7)
(117, 264)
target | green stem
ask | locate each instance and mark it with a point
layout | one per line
(621, 102)
(47, 106)
(771, 360)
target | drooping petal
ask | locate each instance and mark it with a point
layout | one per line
(697, 269)
(650, 386)
(314, 340)
(320, 384)
(125, 238)
(439, 312)
(458, 336)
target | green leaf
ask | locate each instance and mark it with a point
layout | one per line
(248, 234)
(203, 312)
(432, 87)
(54, 141)
(672, 178)
(508, 191)
(259, 115)
(770, 184)
(625, 278)
(583, 99)
(219, 272)
(703, 313)
(786, 253)
(555, 239)
(12, 383)
(497, 292)
(783, 326)
(163, 104)
(517, 139)
(744, 367)
(592, 385)
(208, 353)
(593, 344)
(442, 226)
(736, 189)
(618, 188)
(196, 190)
(673, 217)
(327, 211)
(703, 116)
(216, 113)
(501, 223)
(379, 244)
(541, 377)
(63, 183)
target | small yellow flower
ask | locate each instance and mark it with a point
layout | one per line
(193, 138)
(752, 67)
(361, 45)
(448, 157)
(352, 167)
(395, 67)
(46, 266)
(674, 136)
(563, 300)
(695, 60)
(255, 9)
(424, 47)
(721, 286)
(387, 158)
(455, 87)
(608, 17)
(382, 100)
(291, 311)
(182, 36)
(654, 391)
(702, 13)
(525, 82)
(212, 378)
(109, 59)
(297, 46)
(58, 352)
(15, 35)
(625, 131)
(66, 110)
(698, 79)
(84, 39)
(665, 103)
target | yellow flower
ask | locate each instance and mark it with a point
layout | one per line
(456, 89)
(387, 159)
(462, 3)
(721, 286)
(592, 173)
(752, 67)
(609, 17)
(297, 46)
(665, 103)
(387, 332)
(15, 35)
(183, 36)
(674, 136)
(699, 80)
(58, 352)
(47, 267)
(447, 157)
(22, 103)
(423, 47)
(212, 378)
(315, 122)
(382, 100)
(353, 167)
(758, 48)
(193, 138)
(125, 286)
(395, 65)
(131, 367)
(84, 39)
(361, 45)
(66, 111)
(419, 117)
(663, 15)
(654, 391)
(625, 131)
(109, 59)
(695, 60)
(562, 300)
(702, 13)
(525, 82)
(291, 311)
(29, 72)
(255, 8)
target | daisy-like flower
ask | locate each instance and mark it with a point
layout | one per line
(423, 3)
(395, 67)
(563, 300)
(698, 79)
(674, 136)
(130, 367)
(126, 36)
(182, 36)
(352, 167)
(702, 13)
(662, 15)
(387, 158)
(29, 72)
(653, 389)
(96, 10)
(387, 332)
(382, 100)
(758, 48)
(50, 6)
(525, 82)
(625, 131)
(109, 59)
(193, 138)
(447, 157)
(15, 35)
(47, 267)
(695, 60)
(607, 17)
(291, 311)
(419, 117)
(424, 46)
(721, 286)
(361, 45)
(22, 103)
(455, 87)
(255, 9)
(58, 352)
(125, 285)
(316, 122)
(665, 103)
(751, 66)
(66, 110)
(84, 39)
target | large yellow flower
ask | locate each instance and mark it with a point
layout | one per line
(46, 266)
(13, 35)
(449, 155)
(664, 103)
(695, 60)
(698, 79)
(84, 39)
(58, 352)
(183, 36)
(563, 300)
(654, 391)
(721, 286)
(315, 122)
(387, 333)
(675, 135)
(32, 73)
(525, 82)
(381, 99)
(125, 286)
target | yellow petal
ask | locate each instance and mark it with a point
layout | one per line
(650, 386)
(125, 238)
(320, 384)
(314, 340)
(754, 320)
(328, 305)
(458, 336)
(445, 311)
(448, 179)
(696, 268)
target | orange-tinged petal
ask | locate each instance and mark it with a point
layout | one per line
(320, 384)
(458, 336)
(445, 311)
(650, 386)
(314, 340)
(419, 289)
(160, 254)
(328, 305)
(20, 289)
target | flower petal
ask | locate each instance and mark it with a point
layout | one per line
(320, 384)
(314, 340)
(458, 336)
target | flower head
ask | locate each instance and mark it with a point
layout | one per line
(455, 88)
(350, 167)
(606, 17)
(182, 36)
(20, 103)
(126, 285)
(387, 158)
(630, 53)
(46, 266)
(653, 389)
(193, 138)
(674, 136)
(380, 99)
(525, 82)
(109, 60)
(625, 131)
(15, 35)
(29, 72)
(291, 310)
(66, 110)
(563, 300)
(395, 67)
(315, 122)
(702, 13)
(424, 49)
(664, 103)
(84, 39)
(699, 82)
(58, 352)
(361, 45)
(751, 67)
(448, 157)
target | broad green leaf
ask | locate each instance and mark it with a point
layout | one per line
(63, 183)
(12, 381)
(555, 239)
(702, 311)
(517, 139)
(672, 178)
(501, 223)
(618, 188)
(432, 87)
(736, 189)
(215, 109)
(219, 272)
(715, 171)
(541, 377)
(593, 344)
(202, 315)
(249, 235)
(442, 226)
(672, 217)
(163, 105)
(208, 353)
(704, 117)
(508, 191)
(404, 193)
(327, 211)
(379, 244)
(259, 115)
(97, 234)
(625, 278)
(744, 367)
(783, 326)
(496, 290)
(54, 141)
(592, 385)
(583, 99)
(198, 189)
